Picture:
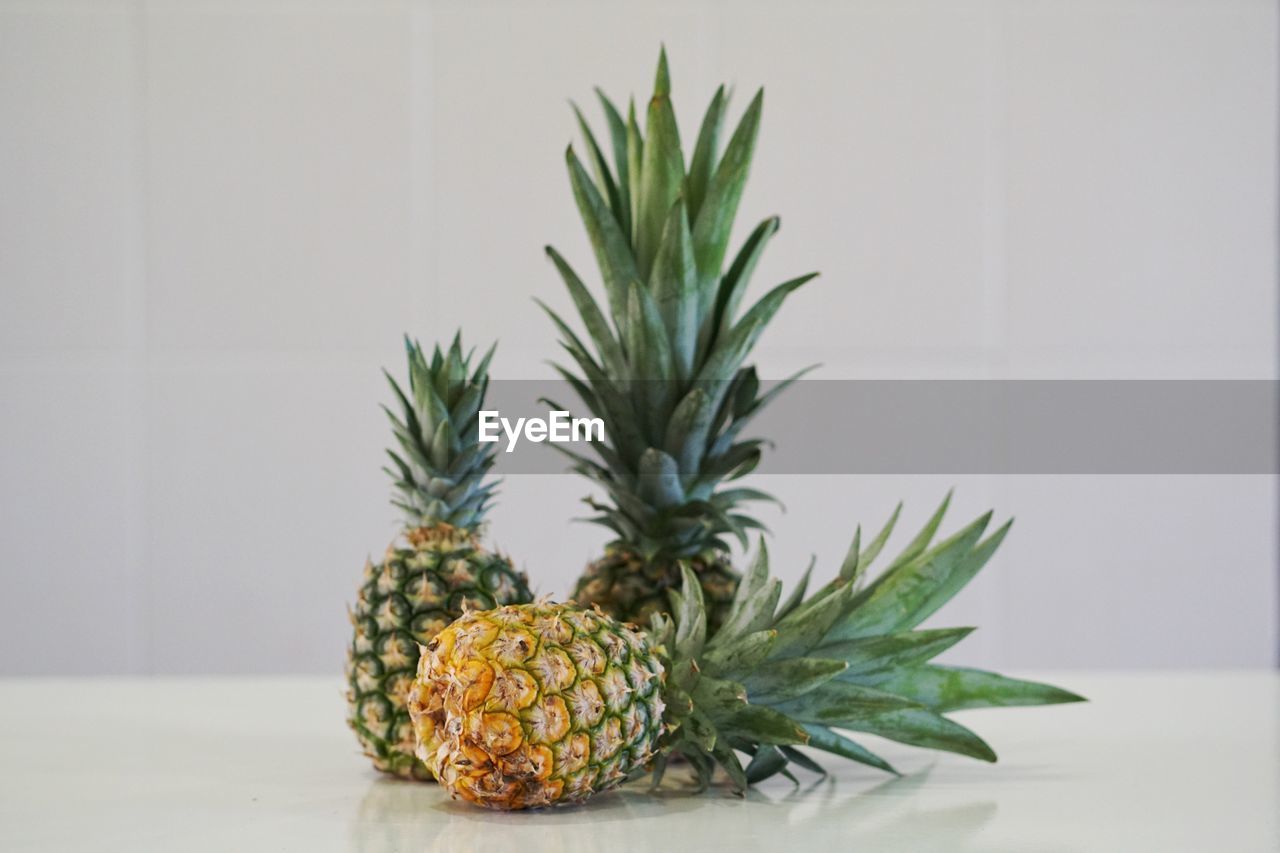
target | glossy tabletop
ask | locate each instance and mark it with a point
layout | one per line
(1166, 762)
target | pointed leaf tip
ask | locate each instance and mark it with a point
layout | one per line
(662, 80)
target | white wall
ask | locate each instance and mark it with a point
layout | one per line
(217, 217)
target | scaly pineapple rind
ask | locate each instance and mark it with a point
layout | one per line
(536, 705)
(406, 599)
(631, 589)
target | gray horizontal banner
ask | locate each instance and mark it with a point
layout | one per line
(961, 427)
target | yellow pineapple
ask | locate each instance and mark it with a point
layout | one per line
(536, 704)
(547, 704)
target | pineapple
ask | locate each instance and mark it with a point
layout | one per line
(668, 377)
(547, 704)
(531, 705)
(438, 568)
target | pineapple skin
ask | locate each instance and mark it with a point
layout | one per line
(536, 705)
(424, 581)
(630, 588)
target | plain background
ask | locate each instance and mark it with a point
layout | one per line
(216, 219)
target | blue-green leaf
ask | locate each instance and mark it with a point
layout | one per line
(891, 651)
(597, 327)
(663, 171)
(686, 437)
(604, 177)
(781, 680)
(733, 285)
(823, 738)
(673, 282)
(922, 539)
(618, 138)
(704, 152)
(946, 688)
(659, 479)
(720, 206)
(905, 596)
(613, 252)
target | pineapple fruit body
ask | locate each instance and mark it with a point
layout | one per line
(630, 588)
(536, 705)
(422, 584)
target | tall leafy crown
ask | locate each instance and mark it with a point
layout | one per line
(440, 462)
(666, 373)
(786, 673)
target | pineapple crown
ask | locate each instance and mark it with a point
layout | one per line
(667, 376)
(440, 463)
(778, 676)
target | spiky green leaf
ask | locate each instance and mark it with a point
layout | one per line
(946, 688)
(821, 737)
(663, 171)
(905, 596)
(724, 191)
(782, 680)
(891, 651)
(704, 152)
(612, 250)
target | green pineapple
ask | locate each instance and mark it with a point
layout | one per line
(547, 704)
(667, 373)
(438, 568)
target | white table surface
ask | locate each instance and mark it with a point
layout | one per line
(1155, 762)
